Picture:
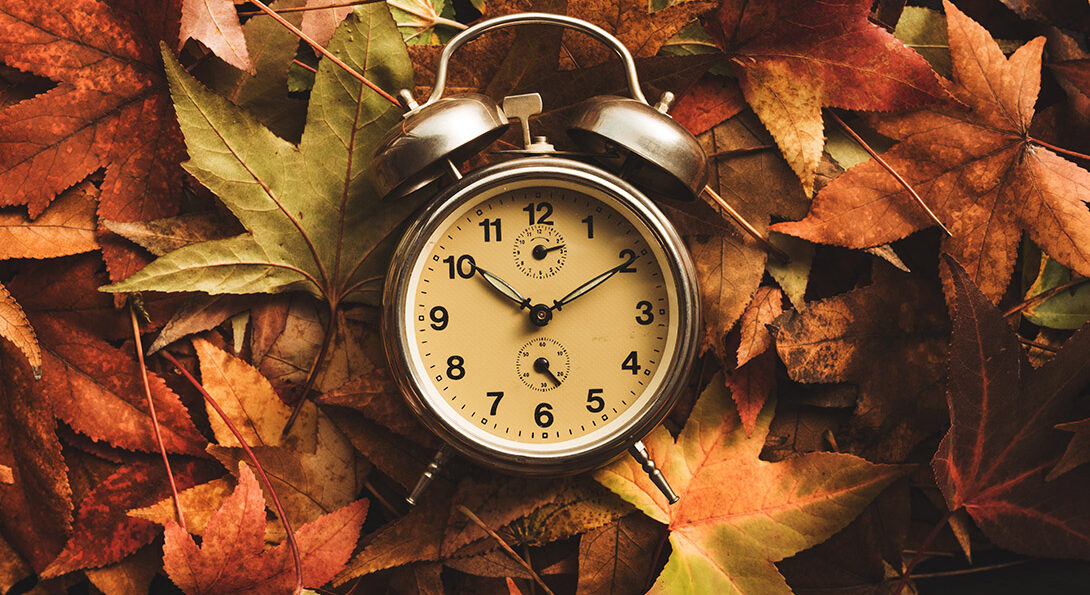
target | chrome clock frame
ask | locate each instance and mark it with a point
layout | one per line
(412, 381)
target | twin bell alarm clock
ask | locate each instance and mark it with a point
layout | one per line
(541, 315)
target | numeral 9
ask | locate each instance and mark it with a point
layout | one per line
(439, 318)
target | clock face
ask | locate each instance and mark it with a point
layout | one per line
(541, 316)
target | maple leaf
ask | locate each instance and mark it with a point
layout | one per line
(894, 328)
(1002, 442)
(232, 557)
(978, 169)
(215, 24)
(738, 514)
(793, 57)
(315, 222)
(108, 110)
(103, 533)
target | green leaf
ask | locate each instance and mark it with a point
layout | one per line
(1066, 309)
(738, 514)
(314, 217)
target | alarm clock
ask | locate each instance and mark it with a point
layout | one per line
(541, 315)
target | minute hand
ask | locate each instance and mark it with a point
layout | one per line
(589, 285)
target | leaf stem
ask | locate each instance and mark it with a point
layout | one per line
(1041, 346)
(154, 419)
(743, 151)
(253, 13)
(305, 66)
(507, 548)
(889, 168)
(321, 50)
(1060, 150)
(296, 558)
(1044, 295)
(923, 548)
(746, 226)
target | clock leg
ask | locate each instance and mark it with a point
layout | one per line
(429, 474)
(639, 452)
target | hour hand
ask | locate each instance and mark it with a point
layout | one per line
(504, 287)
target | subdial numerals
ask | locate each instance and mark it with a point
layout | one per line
(543, 364)
(540, 251)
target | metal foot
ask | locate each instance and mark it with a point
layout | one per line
(639, 452)
(433, 467)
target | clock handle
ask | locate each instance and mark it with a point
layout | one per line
(639, 452)
(428, 475)
(536, 18)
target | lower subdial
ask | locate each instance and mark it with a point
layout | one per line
(540, 251)
(542, 364)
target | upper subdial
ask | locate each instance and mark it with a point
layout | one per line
(540, 251)
(542, 364)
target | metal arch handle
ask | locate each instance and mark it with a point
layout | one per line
(536, 18)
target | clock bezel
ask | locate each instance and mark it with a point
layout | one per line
(397, 336)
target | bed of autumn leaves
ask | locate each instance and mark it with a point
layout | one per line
(192, 251)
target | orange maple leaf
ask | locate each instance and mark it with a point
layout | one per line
(979, 169)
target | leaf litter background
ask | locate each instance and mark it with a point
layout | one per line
(891, 409)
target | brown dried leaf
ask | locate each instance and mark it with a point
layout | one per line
(728, 263)
(618, 557)
(766, 306)
(15, 327)
(199, 313)
(131, 575)
(66, 227)
(244, 395)
(895, 328)
(309, 485)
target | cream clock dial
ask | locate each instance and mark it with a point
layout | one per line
(543, 315)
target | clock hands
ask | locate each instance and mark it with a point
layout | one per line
(540, 314)
(505, 288)
(591, 284)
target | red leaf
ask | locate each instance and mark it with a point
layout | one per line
(793, 57)
(104, 533)
(1002, 441)
(96, 389)
(109, 109)
(232, 559)
(708, 102)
